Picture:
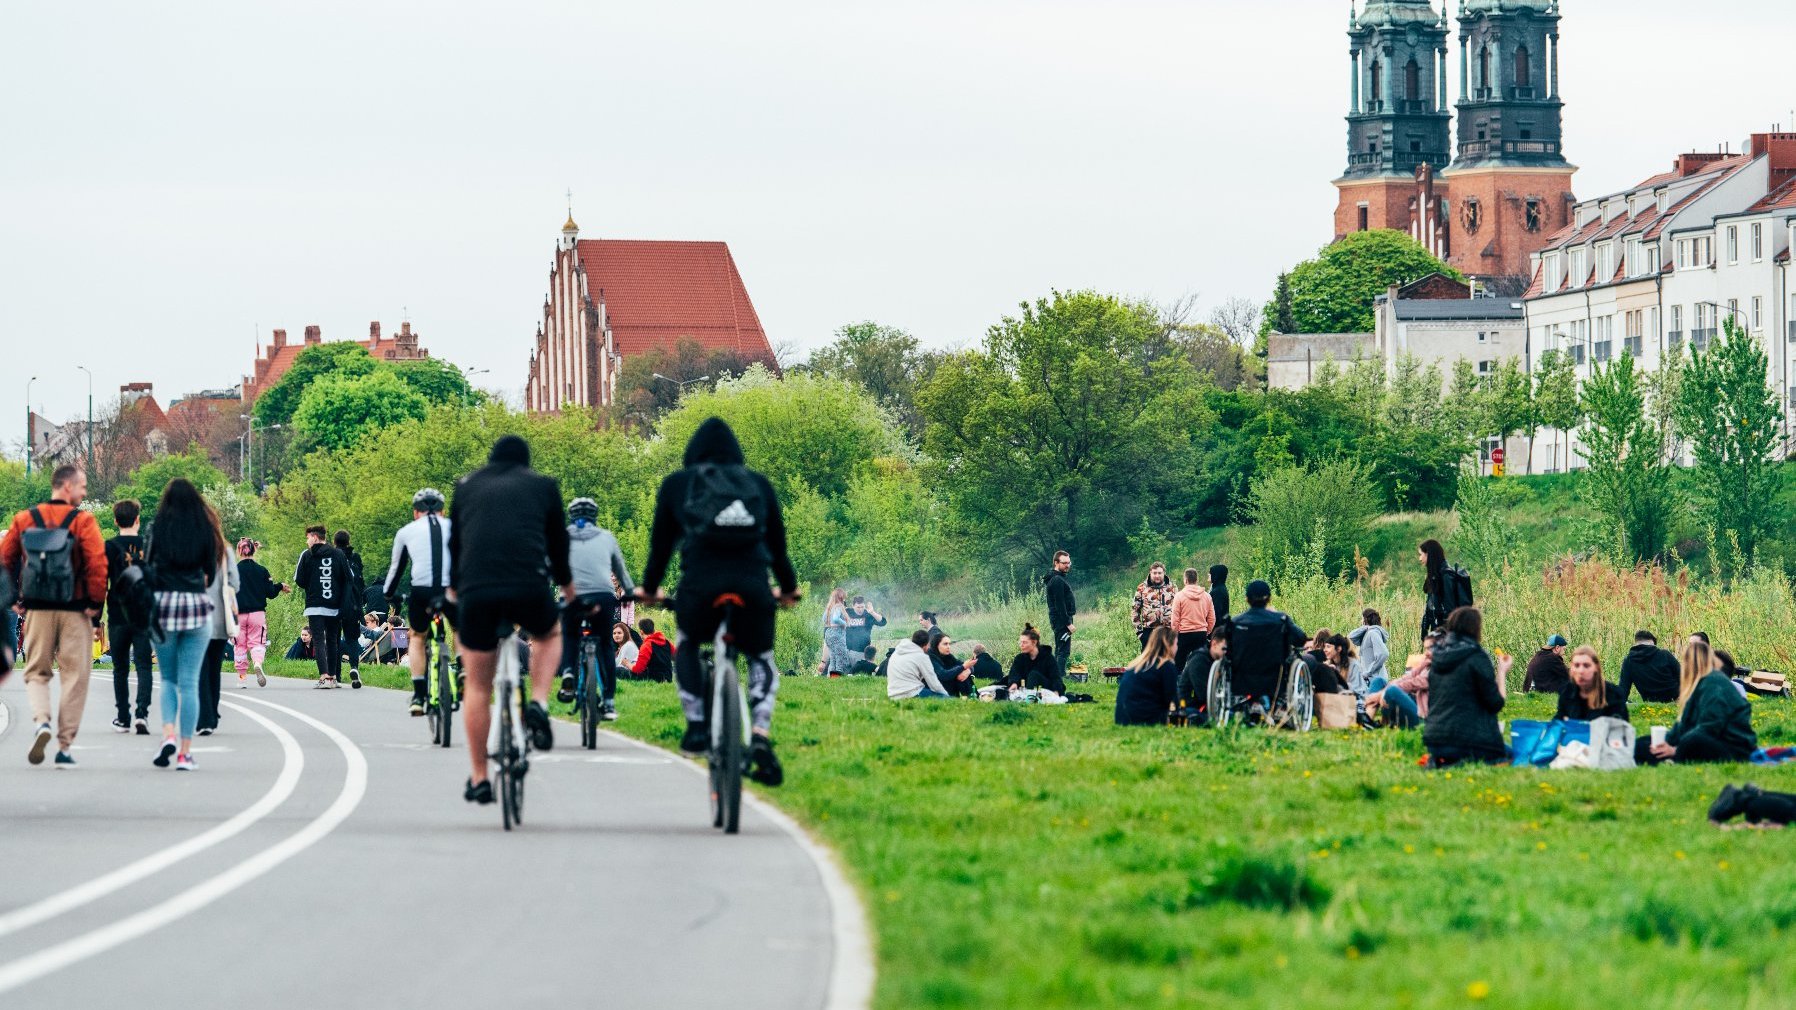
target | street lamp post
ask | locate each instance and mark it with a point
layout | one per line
(28, 445)
(90, 417)
(682, 385)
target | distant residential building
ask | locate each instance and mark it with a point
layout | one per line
(273, 361)
(1652, 270)
(613, 298)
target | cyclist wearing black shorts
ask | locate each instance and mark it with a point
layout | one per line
(509, 541)
(423, 546)
(598, 565)
(725, 520)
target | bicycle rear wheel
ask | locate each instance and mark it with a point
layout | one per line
(728, 754)
(593, 696)
(507, 757)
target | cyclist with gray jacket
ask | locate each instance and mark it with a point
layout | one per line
(595, 558)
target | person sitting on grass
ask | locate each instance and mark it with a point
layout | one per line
(302, 648)
(1373, 652)
(909, 671)
(1546, 671)
(864, 666)
(654, 657)
(1714, 722)
(625, 642)
(1650, 669)
(1149, 692)
(1033, 668)
(1194, 679)
(1337, 653)
(1587, 696)
(955, 675)
(1404, 701)
(1466, 691)
(985, 667)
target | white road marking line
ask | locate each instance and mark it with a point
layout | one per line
(355, 786)
(99, 887)
(851, 954)
(5, 718)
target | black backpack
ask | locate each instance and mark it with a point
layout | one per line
(137, 596)
(1456, 588)
(48, 575)
(724, 507)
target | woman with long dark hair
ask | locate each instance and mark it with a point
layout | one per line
(186, 549)
(1434, 585)
(955, 675)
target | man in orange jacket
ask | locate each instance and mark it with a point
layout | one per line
(62, 628)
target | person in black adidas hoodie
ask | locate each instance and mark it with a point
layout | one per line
(709, 570)
(323, 576)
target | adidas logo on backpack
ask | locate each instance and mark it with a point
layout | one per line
(736, 515)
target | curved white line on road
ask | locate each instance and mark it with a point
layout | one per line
(355, 786)
(851, 952)
(99, 887)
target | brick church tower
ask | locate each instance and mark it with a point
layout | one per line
(1488, 202)
(1397, 122)
(1510, 182)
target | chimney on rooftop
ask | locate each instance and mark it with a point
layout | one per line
(314, 335)
(280, 338)
(374, 332)
(1694, 162)
(1782, 149)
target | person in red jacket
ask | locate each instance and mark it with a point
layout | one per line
(61, 631)
(654, 657)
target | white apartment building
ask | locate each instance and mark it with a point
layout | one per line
(1651, 271)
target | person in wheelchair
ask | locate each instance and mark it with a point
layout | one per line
(1261, 643)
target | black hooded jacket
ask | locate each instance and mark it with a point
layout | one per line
(1219, 590)
(714, 442)
(509, 534)
(1463, 700)
(1652, 671)
(1061, 607)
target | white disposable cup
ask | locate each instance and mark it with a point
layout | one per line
(1659, 736)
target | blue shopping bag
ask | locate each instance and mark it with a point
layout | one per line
(1537, 743)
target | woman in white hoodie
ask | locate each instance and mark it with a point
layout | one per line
(909, 671)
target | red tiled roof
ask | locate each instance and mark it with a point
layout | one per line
(153, 416)
(656, 292)
(1781, 198)
(1538, 284)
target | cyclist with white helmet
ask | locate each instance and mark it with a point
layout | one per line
(595, 558)
(423, 545)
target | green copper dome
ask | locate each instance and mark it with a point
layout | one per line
(1384, 12)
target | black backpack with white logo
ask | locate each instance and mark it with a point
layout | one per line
(724, 507)
(48, 576)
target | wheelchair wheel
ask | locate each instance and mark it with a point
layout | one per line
(1219, 701)
(1300, 698)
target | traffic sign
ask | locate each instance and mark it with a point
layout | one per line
(1497, 456)
(1497, 470)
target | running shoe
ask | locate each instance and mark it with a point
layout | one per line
(610, 713)
(184, 763)
(206, 731)
(166, 752)
(39, 743)
(261, 678)
(64, 759)
(764, 767)
(121, 726)
(141, 725)
(481, 794)
(417, 706)
(536, 720)
(324, 683)
(355, 678)
(566, 694)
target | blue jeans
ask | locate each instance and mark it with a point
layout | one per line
(1403, 711)
(927, 693)
(181, 654)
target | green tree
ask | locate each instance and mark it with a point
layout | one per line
(1507, 401)
(1462, 409)
(338, 411)
(147, 482)
(885, 361)
(651, 383)
(278, 404)
(1628, 481)
(1727, 415)
(18, 491)
(1555, 397)
(1062, 430)
(438, 381)
(1334, 292)
(1323, 510)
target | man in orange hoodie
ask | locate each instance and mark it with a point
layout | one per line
(1193, 615)
(65, 615)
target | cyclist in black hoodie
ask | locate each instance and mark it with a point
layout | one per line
(731, 551)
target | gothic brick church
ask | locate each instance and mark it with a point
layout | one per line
(1491, 199)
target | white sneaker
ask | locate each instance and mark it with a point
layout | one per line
(261, 678)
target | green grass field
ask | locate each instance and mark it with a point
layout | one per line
(1026, 856)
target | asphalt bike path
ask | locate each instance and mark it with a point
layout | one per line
(321, 854)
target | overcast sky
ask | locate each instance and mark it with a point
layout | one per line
(179, 177)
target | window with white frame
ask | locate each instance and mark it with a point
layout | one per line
(1635, 341)
(1758, 314)
(1485, 367)
(1602, 347)
(1578, 272)
(1733, 244)
(1664, 201)
(1605, 262)
(1758, 241)
(1483, 337)
(1733, 310)
(1550, 280)
(1683, 253)
(1634, 262)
